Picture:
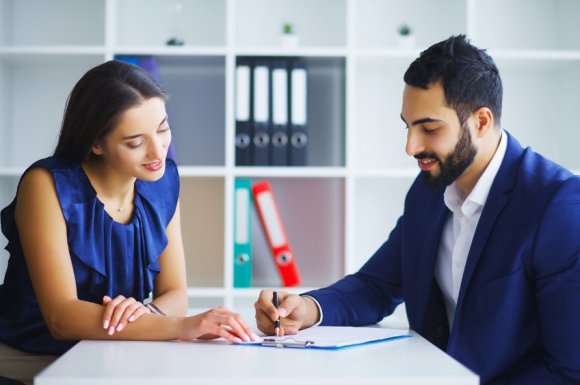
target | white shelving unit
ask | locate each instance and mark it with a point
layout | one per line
(339, 209)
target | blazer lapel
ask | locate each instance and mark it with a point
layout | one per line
(427, 264)
(496, 200)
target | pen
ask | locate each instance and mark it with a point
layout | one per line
(276, 302)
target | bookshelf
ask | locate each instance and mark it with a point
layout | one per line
(341, 207)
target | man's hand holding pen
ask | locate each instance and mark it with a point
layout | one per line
(293, 312)
(276, 303)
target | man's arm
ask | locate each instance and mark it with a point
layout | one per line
(556, 263)
(370, 294)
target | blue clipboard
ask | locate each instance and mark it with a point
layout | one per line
(334, 337)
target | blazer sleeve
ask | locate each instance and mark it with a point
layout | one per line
(369, 295)
(556, 267)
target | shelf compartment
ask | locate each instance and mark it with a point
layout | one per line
(326, 107)
(549, 133)
(379, 133)
(318, 23)
(32, 100)
(196, 107)
(202, 226)
(8, 185)
(326, 95)
(312, 212)
(52, 23)
(195, 22)
(378, 206)
(519, 25)
(377, 21)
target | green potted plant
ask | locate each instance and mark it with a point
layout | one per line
(405, 36)
(288, 37)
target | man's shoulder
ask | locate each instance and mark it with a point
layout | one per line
(534, 184)
(541, 176)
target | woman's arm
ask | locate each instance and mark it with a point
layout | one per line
(170, 293)
(42, 231)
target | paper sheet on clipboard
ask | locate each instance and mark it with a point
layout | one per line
(334, 337)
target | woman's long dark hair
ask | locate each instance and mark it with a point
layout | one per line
(96, 103)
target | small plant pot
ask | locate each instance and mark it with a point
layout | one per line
(289, 41)
(406, 41)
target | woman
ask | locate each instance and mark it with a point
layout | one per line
(95, 229)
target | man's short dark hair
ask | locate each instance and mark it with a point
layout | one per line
(469, 76)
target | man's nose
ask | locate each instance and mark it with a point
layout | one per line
(414, 142)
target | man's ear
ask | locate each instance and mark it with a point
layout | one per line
(483, 121)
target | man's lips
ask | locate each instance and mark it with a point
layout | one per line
(153, 166)
(426, 164)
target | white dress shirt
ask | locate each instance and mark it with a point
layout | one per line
(459, 230)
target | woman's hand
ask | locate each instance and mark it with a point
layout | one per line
(120, 311)
(215, 323)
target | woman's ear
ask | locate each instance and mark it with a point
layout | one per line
(484, 121)
(97, 149)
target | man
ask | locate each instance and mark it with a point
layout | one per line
(486, 255)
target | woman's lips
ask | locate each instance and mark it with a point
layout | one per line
(155, 166)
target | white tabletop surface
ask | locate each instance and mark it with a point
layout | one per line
(406, 361)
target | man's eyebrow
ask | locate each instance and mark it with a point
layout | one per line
(421, 121)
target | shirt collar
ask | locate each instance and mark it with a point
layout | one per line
(476, 199)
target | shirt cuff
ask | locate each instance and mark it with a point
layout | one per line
(317, 305)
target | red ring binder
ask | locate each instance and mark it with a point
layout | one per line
(275, 233)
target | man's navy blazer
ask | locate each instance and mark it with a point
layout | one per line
(517, 319)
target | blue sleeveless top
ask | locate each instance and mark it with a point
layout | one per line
(108, 258)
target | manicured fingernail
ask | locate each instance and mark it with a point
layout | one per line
(282, 312)
(236, 339)
(255, 337)
(106, 324)
(111, 331)
(246, 337)
(132, 318)
(120, 327)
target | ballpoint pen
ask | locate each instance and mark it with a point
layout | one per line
(276, 302)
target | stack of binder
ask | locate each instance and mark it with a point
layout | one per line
(263, 200)
(271, 111)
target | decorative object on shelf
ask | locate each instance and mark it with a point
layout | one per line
(405, 36)
(288, 37)
(175, 25)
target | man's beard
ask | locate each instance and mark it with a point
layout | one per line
(454, 164)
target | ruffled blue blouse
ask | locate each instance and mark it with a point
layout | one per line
(108, 258)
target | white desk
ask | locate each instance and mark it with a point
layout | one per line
(402, 362)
